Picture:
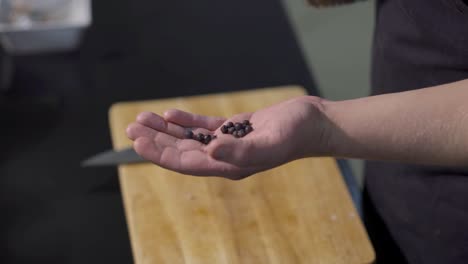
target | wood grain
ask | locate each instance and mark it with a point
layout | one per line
(300, 212)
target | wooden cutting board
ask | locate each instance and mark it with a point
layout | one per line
(300, 212)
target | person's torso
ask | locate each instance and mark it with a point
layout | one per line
(421, 43)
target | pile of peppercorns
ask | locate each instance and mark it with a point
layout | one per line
(205, 139)
(238, 130)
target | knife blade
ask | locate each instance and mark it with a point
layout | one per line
(113, 158)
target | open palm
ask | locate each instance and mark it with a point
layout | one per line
(279, 134)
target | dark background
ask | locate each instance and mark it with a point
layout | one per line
(55, 113)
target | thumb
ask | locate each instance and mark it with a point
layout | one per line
(232, 150)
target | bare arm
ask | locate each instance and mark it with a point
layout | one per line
(427, 126)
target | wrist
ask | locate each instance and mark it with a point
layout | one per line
(315, 132)
(331, 128)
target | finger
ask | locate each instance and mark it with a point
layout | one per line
(192, 162)
(158, 123)
(136, 130)
(159, 152)
(193, 120)
(150, 150)
(166, 140)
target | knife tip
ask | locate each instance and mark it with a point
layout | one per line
(85, 164)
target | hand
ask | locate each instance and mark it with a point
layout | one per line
(283, 132)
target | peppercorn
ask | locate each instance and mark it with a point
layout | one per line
(224, 129)
(248, 129)
(207, 139)
(231, 130)
(201, 137)
(241, 133)
(238, 126)
(246, 122)
(188, 134)
(230, 124)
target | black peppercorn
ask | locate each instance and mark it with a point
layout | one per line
(201, 137)
(207, 139)
(238, 126)
(248, 129)
(246, 123)
(188, 134)
(224, 129)
(229, 124)
(241, 133)
(231, 130)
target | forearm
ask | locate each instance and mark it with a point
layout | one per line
(428, 126)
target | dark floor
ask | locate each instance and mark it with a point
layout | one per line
(56, 113)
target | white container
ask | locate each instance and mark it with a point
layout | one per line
(55, 35)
